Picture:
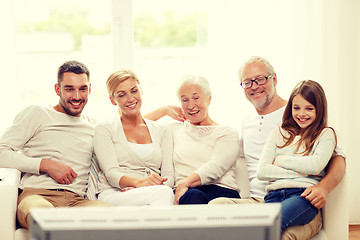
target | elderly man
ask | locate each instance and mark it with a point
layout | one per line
(259, 80)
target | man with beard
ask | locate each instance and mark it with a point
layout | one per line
(258, 78)
(52, 147)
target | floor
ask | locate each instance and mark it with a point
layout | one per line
(354, 232)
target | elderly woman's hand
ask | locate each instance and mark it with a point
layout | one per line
(175, 112)
(172, 111)
(181, 189)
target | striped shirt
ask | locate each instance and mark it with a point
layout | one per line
(285, 168)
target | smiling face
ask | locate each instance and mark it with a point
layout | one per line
(303, 112)
(74, 90)
(128, 97)
(260, 96)
(195, 104)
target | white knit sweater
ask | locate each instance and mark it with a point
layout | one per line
(41, 132)
(209, 151)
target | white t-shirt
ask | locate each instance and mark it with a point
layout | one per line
(255, 131)
(142, 150)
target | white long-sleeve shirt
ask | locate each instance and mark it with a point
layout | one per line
(255, 131)
(285, 168)
(117, 158)
(209, 151)
(42, 132)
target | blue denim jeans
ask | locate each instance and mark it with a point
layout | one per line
(205, 193)
(295, 210)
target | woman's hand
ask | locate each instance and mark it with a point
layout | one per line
(175, 112)
(181, 189)
(153, 179)
(127, 189)
(189, 182)
(172, 111)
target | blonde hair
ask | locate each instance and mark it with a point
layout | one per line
(118, 77)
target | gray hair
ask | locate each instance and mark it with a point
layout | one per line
(195, 79)
(258, 59)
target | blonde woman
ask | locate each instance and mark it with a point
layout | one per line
(134, 154)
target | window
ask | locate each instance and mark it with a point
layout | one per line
(162, 41)
(50, 32)
(169, 42)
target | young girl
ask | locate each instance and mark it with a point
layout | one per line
(296, 154)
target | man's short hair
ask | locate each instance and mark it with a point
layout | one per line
(258, 59)
(74, 67)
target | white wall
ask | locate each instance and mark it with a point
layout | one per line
(317, 40)
(341, 68)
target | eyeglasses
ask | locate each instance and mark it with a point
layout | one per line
(260, 80)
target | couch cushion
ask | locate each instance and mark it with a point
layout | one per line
(93, 178)
(22, 234)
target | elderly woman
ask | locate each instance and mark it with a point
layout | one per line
(205, 152)
(135, 155)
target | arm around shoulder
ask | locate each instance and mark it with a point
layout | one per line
(174, 112)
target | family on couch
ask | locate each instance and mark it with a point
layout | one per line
(143, 160)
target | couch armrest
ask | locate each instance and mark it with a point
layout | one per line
(9, 183)
(336, 212)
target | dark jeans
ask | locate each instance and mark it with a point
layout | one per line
(205, 193)
(295, 210)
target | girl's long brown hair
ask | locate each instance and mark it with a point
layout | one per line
(312, 92)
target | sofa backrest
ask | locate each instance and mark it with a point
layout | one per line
(93, 178)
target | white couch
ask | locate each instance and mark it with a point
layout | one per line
(335, 212)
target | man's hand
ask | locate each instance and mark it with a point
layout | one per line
(60, 172)
(316, 195)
